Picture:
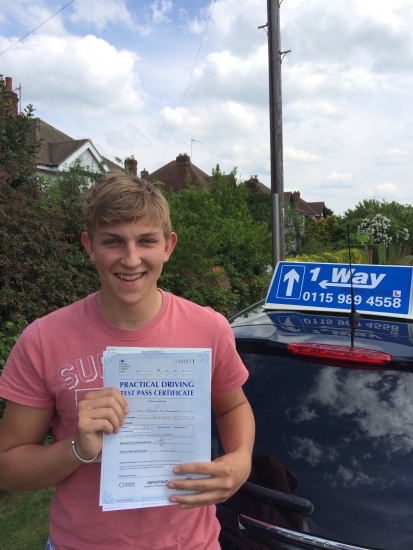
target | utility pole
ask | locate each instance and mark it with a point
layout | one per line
(275, 57)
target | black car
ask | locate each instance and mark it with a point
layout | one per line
(333, 457)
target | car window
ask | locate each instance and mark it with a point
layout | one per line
(340, 437)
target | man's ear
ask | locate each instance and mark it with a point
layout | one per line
(170, 245)
(87, 243)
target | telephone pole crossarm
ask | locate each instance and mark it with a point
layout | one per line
(283, 54)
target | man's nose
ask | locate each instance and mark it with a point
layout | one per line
(132, 257)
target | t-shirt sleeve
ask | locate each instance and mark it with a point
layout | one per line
(23, 380)
(229, 372)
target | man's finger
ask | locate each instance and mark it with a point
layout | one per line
(108, 392)
(215, 468)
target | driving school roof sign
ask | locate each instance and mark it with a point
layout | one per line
(379, 289)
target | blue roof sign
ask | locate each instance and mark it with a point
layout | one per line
(378, 289)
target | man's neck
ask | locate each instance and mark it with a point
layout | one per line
(132, 317)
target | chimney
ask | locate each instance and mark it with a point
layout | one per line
(296, 198)
(183, 163)
(131, 165)
(144, 174)
(11, 97)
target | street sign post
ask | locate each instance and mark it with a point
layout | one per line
(363, 235)
(378, 289)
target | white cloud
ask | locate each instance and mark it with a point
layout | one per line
(349, 35)
(296, 155)
(340, 176)
(233, 25)
(388, 189)
(31, 15)
(228, 76)
(307, 449)
(201, 120)
(359, 396)
(160, 10)
(102, 12)
(180, 118)
(83, 75)
(397, 152)
(353, 477)
(157, 13)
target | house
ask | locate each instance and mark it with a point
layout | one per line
(178, 173)
(260, 186)
(59, 151)
(307, 209)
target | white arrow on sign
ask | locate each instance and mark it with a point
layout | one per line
(324, 284)
(292, 276)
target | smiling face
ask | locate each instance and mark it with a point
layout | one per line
(129, 258)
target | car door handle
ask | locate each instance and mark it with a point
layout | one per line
(277, 498)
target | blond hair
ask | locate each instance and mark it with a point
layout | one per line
(118, 197)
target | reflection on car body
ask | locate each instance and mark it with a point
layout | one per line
(333, 433)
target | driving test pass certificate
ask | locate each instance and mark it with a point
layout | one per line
(168, 391)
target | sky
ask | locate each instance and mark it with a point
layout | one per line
(144, 78)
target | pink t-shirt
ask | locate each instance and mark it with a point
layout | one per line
(58, 359)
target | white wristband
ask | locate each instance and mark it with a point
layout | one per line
(83, 459)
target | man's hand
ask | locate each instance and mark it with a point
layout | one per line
(100, 411)
(227, 474)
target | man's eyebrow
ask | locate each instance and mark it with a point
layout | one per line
(119, 236)
(151, 234)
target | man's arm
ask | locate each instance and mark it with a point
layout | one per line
(237, 430)
(27, 464)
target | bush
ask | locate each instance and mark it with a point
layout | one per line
(379, 253)
(392, 252)
(9, 333)
(338, 257)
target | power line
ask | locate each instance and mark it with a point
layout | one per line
(38, 26)
(189, 80)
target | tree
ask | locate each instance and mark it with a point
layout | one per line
(42, 265)
(223, 254)
(64, 192)
(320, 233)
(258, 202)
(18, 143)
(397, 219)
(294, 224)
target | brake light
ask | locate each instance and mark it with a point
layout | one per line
(341, 353)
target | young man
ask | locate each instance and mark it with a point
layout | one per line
(54, 376)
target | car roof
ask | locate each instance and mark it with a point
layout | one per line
(279, 328)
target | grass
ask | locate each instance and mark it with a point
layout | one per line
(407, 260)
(24, 519)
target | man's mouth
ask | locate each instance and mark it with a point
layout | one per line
(133, 277)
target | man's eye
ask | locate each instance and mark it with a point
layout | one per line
(111, 242)
(148, 241)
